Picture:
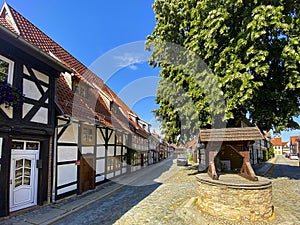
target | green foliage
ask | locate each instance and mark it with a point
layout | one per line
(270, 153)
(251, 47)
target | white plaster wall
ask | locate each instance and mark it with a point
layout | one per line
(41, 116)
(68, 78)
(26, 109)
(71, 133)
(118, 150)
(30, 90)
(112, 138)
(87, 149)
(41, 76)
(100, 166)
(100, 178)
(110, 175)
(7, 111)
(100, 139)
(110, 151)
(66, 153)
(100, 151)
(25, 71)
(67, 189)
(66, 174)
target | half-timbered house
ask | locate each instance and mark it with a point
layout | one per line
(78, 130)
(26, 131)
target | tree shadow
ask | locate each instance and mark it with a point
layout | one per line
(282, 170)
(112, 207)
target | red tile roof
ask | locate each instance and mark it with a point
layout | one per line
(284, 143)
(7, 25)
(93, 108)
(276, 141)
(293, 139)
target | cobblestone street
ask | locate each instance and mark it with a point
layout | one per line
(165, 193)
(164, 204)
(161, 207)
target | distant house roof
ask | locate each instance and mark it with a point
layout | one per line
(230, 134)
(293, 139)
(276, 141)
(94, 108)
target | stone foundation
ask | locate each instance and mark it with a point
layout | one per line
(235, 198)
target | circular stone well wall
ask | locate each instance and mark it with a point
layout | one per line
(235, 198)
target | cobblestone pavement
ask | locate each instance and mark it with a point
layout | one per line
(151, 199)
(285, 176)
(161, 207)
(165, 204)
(166, 193)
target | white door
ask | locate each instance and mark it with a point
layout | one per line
(24, 174)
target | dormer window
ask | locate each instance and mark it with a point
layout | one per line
(119, 138)
(6, 70)
(80, 88)
(114, 108)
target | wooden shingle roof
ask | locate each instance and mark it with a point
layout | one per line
(230, 134)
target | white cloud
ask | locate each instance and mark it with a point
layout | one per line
(130, 60)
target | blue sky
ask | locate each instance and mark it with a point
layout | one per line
(92, 29)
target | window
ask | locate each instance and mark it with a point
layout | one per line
(88, 135)
(114, 163)
(80, 88)
(110, 164)
(25, 145)
(119, 138)
(6, 70)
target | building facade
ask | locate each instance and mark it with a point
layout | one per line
(71, 133)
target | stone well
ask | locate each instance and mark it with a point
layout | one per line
(235, 198)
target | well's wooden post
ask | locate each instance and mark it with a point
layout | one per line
(212, 171)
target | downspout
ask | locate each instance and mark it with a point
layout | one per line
(55, 154)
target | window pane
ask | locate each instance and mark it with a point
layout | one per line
(32, 146)
(27, 163)
(3, 70)
(17, 145)
(19, 163)
(19, 173)
(18, 182)
(27, 180)
(27, 172)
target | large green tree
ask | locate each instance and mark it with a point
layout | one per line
(251, 47)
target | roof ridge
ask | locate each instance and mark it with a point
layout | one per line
(32, 34)
(47, 39)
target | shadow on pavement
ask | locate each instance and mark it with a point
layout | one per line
(110, 208)
(281, 170)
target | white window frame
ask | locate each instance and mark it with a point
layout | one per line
(1, 140)
(10, 69)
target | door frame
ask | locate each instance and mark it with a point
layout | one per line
(24, 152)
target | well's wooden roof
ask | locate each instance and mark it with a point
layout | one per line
(231, 134)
